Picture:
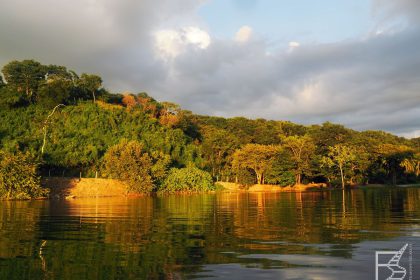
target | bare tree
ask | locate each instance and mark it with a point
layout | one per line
(45, 127)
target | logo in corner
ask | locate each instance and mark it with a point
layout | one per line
(388, 267)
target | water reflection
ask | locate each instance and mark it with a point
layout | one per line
(314, 235)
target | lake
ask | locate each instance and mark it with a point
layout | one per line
(313, 235)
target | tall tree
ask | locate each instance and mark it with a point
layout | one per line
(25, 75)
(301, 149)
(257, 157)
(90, 83)
(340, 156)
(217, 147)
(391, 157)
(54, 92)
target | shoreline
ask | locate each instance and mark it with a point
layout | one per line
(72, 188)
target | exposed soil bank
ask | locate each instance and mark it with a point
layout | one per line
(86, 187)
(270, 188)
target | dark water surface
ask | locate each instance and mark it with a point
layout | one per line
(314, 235)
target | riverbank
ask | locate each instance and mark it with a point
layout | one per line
(85, 187)
(271, 188)
(67, 188)
(91, 187)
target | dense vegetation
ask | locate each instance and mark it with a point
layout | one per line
(71, 125)
(18, 176)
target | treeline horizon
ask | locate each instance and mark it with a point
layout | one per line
(63, 124)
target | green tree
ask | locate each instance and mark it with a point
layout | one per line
(25, 76)
(129, 162)
(53, 92)
(19, 177)
(301, 149)
(257, 157)
(217, 147)
(340, 156)
(90, 83)
(392, 156)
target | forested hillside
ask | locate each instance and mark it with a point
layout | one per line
(63, 123)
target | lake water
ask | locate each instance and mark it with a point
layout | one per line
(314, 235)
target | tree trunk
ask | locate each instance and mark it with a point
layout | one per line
(394, 177)
(298, 179)
(342, 176)
(94, 97)
(259, 178)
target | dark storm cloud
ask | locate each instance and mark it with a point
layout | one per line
(367, 83)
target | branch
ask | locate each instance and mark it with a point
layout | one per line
(44, 128)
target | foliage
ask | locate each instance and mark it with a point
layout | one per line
(84, 135)
(90, 83)
(301, 149)
(392, 157)
(190, 178)
(19, 177)
(257, 157)
(340, 156)
(24, 76)
(128, 161)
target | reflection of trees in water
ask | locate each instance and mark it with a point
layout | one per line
(171, 236)
(19, 244)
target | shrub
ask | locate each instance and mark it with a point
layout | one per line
(19, 177)
(128, 161)
(189, 179)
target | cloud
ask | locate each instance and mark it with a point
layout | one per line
(163, 47)
(293, 45)
(244, 34)
(391, 9)
(171, 43)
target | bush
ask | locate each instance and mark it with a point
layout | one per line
(19, 178)
(189, 179)
(128, 161)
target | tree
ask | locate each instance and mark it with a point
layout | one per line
(412, 165)
(301, 148)
(169, 114)
(257, 157)
(90, 83)
(129, 100)
(25, 75)
(45, 127)
(340, 156)
(217, 147)
(55, 72)
(53, 92)
(392, 156)
(328, 135)
(189, 178)
(19, 177)
(129, 162)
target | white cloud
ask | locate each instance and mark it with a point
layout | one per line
(293, 46)
(171, 43)
(370, 83)
(244, 34)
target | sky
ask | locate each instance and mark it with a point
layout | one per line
(351, 62)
